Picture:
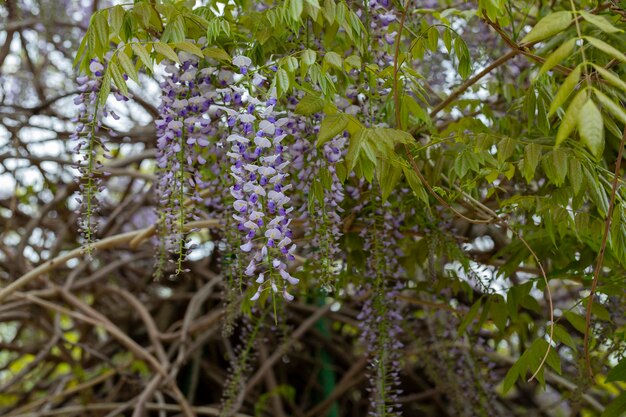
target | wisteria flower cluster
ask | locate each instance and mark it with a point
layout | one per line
(89, 144)
(261, 202)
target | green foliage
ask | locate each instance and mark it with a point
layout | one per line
(617, 407)
(618, 373)
(530, 361)
(549, 26)
(526, 154)
(591, 127)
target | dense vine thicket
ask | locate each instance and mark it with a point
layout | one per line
(312, 208)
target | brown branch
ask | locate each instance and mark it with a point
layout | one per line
(349, 379)
(471, 81)
(299, 332)
(600, 260)
(438, 197)
(73, 390)
(107, 243)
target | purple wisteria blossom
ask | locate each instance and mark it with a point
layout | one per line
(261, 203)
(89, 144)
(183, 130)
(322, 219)
(381, 314)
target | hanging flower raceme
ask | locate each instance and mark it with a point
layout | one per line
(321, 193)
(261, 205)
(381, 314)
(90, 145)
(182, 135)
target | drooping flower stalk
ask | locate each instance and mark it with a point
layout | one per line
(181, 131)
(381, 315)
(261, 205)
(241, 365)
(316, 171)
(90, 145)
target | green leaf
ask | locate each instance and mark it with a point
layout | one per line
(505, 147)
(462, 52)
(289, 63)
(333, 59)
(517, 370)
(390, 137)
(340, 13)
(175, 31)
(548, 26)
(570, 119)
(532, 155)
(432, 38)
(447, 39)
(282, 81)
(308, 57)
(535, 354)
(555, 166)
(591, 128)
(143, 55)
(611, 106)
(354, 148)
(559, 161)
(415, 184)
(616, 408)
(563, 336)
(335, 124)
(543, 123)
(498, 312)
(600, 22)
(309, 105)
(353, 61)
(216, 53)
(415, 108)
(312, 9)
(570, 82)
(611, 77)
(101, 27)
(618, 373)
(575, 174)
(388, 175)
(466, 161)
(105, 88)
(606, 48)
(116, 75)
(597, 192)
(295, 9)
(127, 64)
(326, 179)
(167, 51)
(558, 55)
(530, 361)
(81, 51)
(576, 320)
(329, 11)
(146, 14)
(189, 47)
(553, 360)
(127, 27)
(470, 316)
(600, 312)
(117, 18)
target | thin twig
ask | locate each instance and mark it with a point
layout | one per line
(600, 260)
(107, 243)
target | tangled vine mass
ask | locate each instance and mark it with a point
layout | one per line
(312, 208)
